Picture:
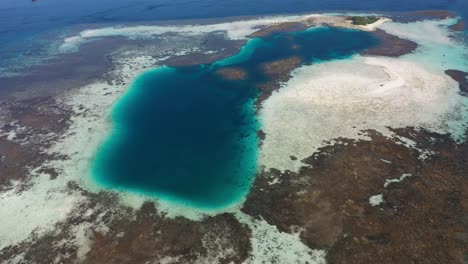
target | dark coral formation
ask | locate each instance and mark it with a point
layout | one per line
(390, 45)
(232, 73)
(151, 236)
(459, 26)
(461, 78)
(279, 28)
(422, 218)
(140, 236)
(279, 71)
(36, 124)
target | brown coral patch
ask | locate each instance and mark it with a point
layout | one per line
(151, 237)
(422, 219)
(280, 69)
(232, 73)
(35, 123)
(279, 28)
(461, 78)
(459, 26)
(390, 45)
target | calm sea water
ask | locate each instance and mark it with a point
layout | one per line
(20, 19)
(186, 134)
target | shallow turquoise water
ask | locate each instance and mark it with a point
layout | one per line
(187, 135)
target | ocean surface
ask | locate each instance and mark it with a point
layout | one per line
(19, 20)
(188, 135)
(26, 27)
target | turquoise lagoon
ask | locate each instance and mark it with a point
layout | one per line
(186, 135)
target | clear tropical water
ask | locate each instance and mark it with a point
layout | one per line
(21, 19)
(188, 135)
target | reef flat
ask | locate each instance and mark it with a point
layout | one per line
(364, 155)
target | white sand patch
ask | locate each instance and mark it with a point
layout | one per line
(269, 245)
(35, 210)
(376, 200)
(403, 176)
(375, 25)
(274, 181)
(340, 98)
(11, 135)
(386, 161)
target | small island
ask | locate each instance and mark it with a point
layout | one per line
(362, 21)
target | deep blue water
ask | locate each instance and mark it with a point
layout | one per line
(186, 134)
(20, 19)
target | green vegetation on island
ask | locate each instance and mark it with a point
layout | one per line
(362, 21)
